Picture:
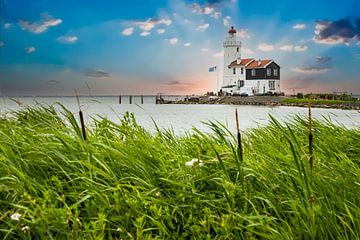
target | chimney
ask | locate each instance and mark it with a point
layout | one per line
(259, 62)
(238, 60)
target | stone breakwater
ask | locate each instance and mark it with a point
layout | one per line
(264, 101)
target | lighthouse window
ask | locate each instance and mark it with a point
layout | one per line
(237, 49)
(234, 71)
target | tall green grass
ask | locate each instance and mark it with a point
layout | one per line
(125, 183)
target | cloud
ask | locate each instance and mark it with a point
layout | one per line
(53, 82)
(300, 48)
(287, 48)
(311, 70)
(297, 48)
(187, 44)
(265, 47)
(336, 32)
(96, 74)
(161, 31)
(172, 82)
(243, 33)
(208, 9)
(320, 59)
(204, 50)
(7, 25)
(128, 31)
(299, 26)
(216, 15)
(187, 21)
(219, 54)
(202, 27)
(30, 49)
(144, 34)
(67, 39)
(247, 51)
(196, 8)
(173, 41)
(226, 21)
(149, 24)
(40, 26)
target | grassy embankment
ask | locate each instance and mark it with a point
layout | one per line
(125, 183)
(314, 101)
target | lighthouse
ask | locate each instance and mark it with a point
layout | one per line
(247, 76)
(232, 51)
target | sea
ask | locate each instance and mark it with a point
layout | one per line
(179, 118)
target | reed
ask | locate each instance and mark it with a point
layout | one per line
(127, 183)
(82, 122)
(238, 134)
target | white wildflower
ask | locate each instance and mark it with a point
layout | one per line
(15, 216)
(193, 161)
(25, 228)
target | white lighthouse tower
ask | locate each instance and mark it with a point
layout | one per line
(232, 51)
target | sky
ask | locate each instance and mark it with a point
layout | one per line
(111, 47)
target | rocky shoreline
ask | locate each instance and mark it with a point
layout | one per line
(262, 101)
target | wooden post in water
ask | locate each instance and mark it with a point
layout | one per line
(119, 99)
(142, 99)
(130, 99)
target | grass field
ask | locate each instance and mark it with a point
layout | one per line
(125, 183)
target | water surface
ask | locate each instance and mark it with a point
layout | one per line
(180, 118)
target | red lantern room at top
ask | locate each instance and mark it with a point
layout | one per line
(232, 31)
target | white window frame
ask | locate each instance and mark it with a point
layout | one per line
(268, 72)
(276, 71)
(241, 83)
(271, 85)
(253, 72)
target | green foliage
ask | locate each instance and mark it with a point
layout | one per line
(300, 95)
(331, 96)
(313, 101)
(125, 183)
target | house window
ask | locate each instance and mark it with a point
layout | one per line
(240, 83)
(276, 72)
(268, 71)
(237, 50)
(234, 71)
(272, 85)
(242, 70)
(253, 73)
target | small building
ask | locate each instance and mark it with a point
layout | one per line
(258, 76)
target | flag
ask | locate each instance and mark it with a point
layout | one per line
(212, 69)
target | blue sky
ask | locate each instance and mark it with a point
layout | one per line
(51, 47)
